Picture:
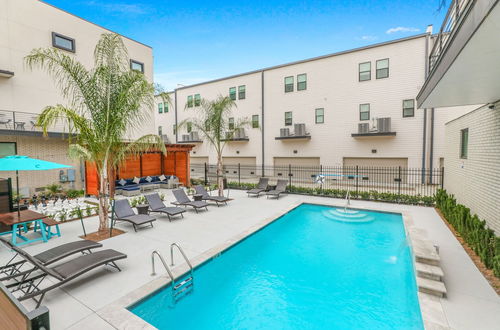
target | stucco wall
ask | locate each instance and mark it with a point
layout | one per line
(475, 181)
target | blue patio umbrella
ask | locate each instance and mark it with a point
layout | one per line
(24, 163)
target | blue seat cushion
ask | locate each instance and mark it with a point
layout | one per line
(131, 188)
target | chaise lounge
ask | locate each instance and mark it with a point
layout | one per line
(280, 189)
(261, 187)
(124, 212)
(157, 205)
(183, 199)
(200, 190)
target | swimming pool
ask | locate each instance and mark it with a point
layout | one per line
(313, 268)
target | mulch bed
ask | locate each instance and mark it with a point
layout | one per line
(487, 273)
(102, 235)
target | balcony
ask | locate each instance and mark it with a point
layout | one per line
(6, 73)
(192, 137)
(463, 62)
(239, 135)
(382, 128)
(298, 134)
(24, 123)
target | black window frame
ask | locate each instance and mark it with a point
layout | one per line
(316, 116)
(291, 118)
(377, 69)
(361, 112)
(12, 144)
(58, 35)
(165, 107)
(289, 87)
(132, 62)
(160, 130)
(230, 123)
(197, 100)
(255, 121)
(242, 94)
(160, 107)
(302, 82)
(190, 101)
(232, 95)
(369, 71)
(464, 147)
(412, 109)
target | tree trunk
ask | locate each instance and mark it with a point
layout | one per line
(103, 201)
(220, 178)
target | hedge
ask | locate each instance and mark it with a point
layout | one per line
(340, 193)
(473, 230)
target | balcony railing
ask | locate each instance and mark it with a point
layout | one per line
(25, 122)
(454, 15)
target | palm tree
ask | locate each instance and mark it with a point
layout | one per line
(212, 122)
(106, 104)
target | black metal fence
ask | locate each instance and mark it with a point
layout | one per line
(325, 179)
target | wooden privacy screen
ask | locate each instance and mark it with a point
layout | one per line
(176, 162)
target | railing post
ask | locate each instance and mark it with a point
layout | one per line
(321, 184)
(399, 182)
(14, 120)
(357, 179)
(290, 176)
(239, 175)
(206, 174)
(442, 177)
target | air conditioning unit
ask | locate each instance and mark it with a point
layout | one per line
(384, 124)
(164, 138)
(193, 136)
(239, 133)
(284, 132)
(363, 128)
(185, 137)
(300, 129)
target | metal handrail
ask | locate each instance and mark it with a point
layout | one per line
(153, 273)
(183, 254)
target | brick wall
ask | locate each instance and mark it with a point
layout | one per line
(50, 149)
(475, 181)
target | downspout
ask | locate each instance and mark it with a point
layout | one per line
(262, 116)
(431, 147)
(426, 73)
(175, 109)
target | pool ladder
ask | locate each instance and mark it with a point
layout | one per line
(183, 287)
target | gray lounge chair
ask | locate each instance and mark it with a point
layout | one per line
(183, 199)
(13, 268)
(200, 190)
(157, 205)
(124, 212)
(261, 187)
(280, 188)
(30, 284)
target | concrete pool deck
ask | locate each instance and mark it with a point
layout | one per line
(89, 301)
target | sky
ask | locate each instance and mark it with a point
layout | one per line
(195, 41)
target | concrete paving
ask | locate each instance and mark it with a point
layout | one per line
(471, 302)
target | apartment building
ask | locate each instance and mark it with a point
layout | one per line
(29, 24)
(355, 107)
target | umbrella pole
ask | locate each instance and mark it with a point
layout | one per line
(17, 197)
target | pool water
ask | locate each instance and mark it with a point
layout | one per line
(310, 269)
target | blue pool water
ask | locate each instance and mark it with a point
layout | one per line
(316, 267)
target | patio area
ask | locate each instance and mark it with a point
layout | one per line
(82, 303)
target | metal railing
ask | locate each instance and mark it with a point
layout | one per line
(304, 179)
(25, 121)
(448, 28)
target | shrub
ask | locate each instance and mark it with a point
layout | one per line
(73, 193)
(481, 239)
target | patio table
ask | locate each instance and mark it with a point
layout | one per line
(17, 221)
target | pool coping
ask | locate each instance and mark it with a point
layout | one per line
(120, 317)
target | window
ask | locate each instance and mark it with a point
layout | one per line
(364, 111)
(165, 107)
(7, 149)
(383, 68)
(301, 82)
(464, 143)
(138, 66)
(197, 100)
(288, 84)
(320, 115)
(255, 121)
(288, 118)
(160, 129)
(365, 71)
(207, 125)
(231, 123)
(63, 42)
(160, 107)
(232, 93)
(408, 108)
(189, 127)
(241, 92)
(190, 101)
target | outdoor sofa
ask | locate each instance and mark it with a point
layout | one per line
(133, 186)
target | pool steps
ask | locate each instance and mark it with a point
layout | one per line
(435, 288)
